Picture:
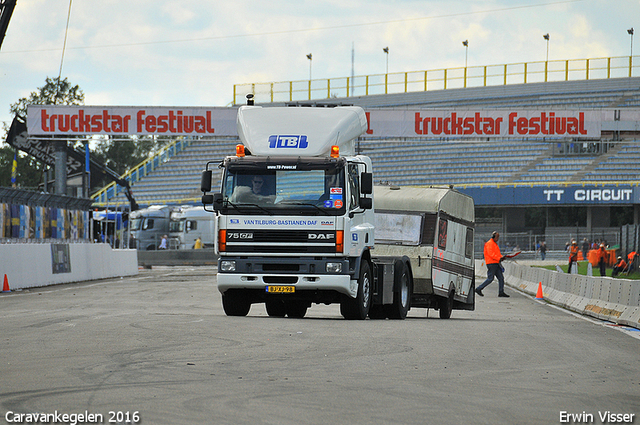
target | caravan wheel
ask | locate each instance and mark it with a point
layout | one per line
(446, 306)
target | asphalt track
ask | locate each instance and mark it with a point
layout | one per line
(160, 345)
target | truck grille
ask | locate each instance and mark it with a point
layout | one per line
(281, 241)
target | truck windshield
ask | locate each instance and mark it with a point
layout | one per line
(293, 190)
(136, 223)
(176, 225)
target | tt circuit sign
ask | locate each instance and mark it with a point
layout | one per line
(126, 120)
(555, 196)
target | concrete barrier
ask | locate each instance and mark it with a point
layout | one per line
(178, 257)
(605, 298)
(41, 264)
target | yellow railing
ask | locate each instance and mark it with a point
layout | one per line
(439, 79)
(136, 173)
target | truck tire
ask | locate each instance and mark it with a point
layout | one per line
(446, 306)
(295, 309)
(276, 308)
(402, 292)
(358, 307)
(235, 304)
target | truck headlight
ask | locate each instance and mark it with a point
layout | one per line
(227, 266)
(333, 268)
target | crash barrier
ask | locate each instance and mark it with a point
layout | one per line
(177, 257)
(28, 265)
(605, 298)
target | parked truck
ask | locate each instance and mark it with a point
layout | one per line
(189, 223)
(148, 225)
(296, 224)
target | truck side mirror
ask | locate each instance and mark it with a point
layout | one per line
(207, 199)
(366, 183)
(366, 203)
(205, 181)
(217, 201)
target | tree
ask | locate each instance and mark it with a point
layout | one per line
(54, 92)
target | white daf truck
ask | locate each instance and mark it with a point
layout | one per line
(296, 224)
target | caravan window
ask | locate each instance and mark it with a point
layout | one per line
(442, 234)
(468, 252)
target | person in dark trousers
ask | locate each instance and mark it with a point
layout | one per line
(619, 267)
(602, 260)
(492, 258)
(573, 255)
(543, 250)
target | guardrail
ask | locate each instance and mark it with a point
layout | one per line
(439, 79)
(605, 298)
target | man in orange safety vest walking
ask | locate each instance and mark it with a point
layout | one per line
(492, 258)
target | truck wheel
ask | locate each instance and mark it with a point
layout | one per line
(402, 295)
(446, 306)
(358, 308)
(296, 309)
(235, 304)
(275, 308)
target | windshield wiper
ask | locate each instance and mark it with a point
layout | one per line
(307, 205)
(237, 206)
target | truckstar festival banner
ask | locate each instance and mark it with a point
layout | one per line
(130, 120)
(511, 123)
(221, 121)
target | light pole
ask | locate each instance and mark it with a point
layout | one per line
(466, 52)
(386, 50)
(546, 37)
(309, 56)
(630, 32)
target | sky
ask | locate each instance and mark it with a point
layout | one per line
(192, 52)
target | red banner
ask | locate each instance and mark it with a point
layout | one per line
(130, 120)
(411, 123)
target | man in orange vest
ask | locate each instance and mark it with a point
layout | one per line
(492, 258)
(602, 260)
(573, 255)
(619, 267)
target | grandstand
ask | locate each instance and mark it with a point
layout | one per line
(459, 162)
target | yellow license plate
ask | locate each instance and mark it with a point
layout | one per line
(281, 289)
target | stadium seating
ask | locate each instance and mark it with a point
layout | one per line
(445, 162)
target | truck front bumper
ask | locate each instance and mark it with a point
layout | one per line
(339, 283)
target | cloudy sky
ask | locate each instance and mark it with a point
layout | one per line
(192, 52)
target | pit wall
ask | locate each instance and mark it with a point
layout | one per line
(605, 298)
(41, 264)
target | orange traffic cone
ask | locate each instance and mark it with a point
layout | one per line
(5, 287)
(539, 295)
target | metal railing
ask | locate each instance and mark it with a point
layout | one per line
(439, 79)
(112, 190)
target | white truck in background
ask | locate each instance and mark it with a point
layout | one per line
(296, 224)
(148, 225)
(189, 223)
